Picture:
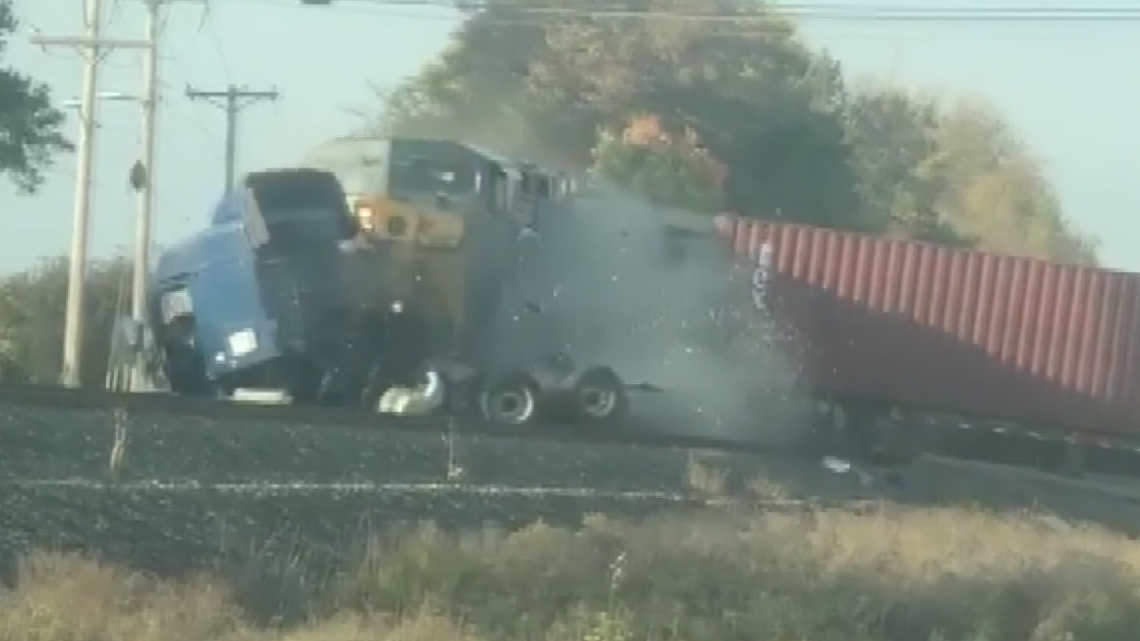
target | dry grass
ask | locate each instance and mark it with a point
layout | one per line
(894, 575)
(703, 473)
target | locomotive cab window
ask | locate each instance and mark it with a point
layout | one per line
(529, 186)
(504, 184)
(542, 188)
(502, 195)
(413, 177)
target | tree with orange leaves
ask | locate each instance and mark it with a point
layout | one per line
(668, 169)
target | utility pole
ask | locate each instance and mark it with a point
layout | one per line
(92, 47)
(142, 179)
(231, 101)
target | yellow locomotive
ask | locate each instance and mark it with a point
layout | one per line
(379, 263)
(439, 224)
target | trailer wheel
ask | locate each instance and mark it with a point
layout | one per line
(511, 399)
(599, 396)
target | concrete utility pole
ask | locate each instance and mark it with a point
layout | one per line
(92, 47)
(231, 101)
(142, 179)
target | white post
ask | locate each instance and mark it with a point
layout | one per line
(77, 272)
(143, 225)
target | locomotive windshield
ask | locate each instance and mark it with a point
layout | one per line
(429, 177)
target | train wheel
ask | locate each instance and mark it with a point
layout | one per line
(510, 400)
(599, 396)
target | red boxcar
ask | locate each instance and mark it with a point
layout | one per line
(914, 324)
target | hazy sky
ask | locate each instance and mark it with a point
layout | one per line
(1071, 89)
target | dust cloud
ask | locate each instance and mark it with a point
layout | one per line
(607, 283)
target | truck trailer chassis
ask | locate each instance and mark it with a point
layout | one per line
(556, 391)
(593, 396)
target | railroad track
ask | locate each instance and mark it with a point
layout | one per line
(489, 491)
(634, 432)
(54, 444)
(1024, 449)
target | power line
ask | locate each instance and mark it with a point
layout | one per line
(217, 42)
(864, 13)
(755, 26)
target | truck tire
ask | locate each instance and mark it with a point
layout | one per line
(510, 399)
(184, 370)
(599, 397)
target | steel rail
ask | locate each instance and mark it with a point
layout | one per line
(694, 498)
(633, 432)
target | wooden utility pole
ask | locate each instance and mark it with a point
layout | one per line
(232, 100)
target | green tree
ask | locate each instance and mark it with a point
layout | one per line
(666, 169)
(32, 305)
(955, 174)
(996, 189)
(543, 87)
(796, 142)
(894, 145)
(29, 124)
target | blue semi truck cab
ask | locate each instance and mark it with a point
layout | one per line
(257, 299)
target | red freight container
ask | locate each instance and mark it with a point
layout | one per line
(914, 324)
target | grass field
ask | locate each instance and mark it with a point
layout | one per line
(890, 574)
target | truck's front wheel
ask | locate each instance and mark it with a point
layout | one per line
(185, 370)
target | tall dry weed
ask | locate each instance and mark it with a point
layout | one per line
(888, 575)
